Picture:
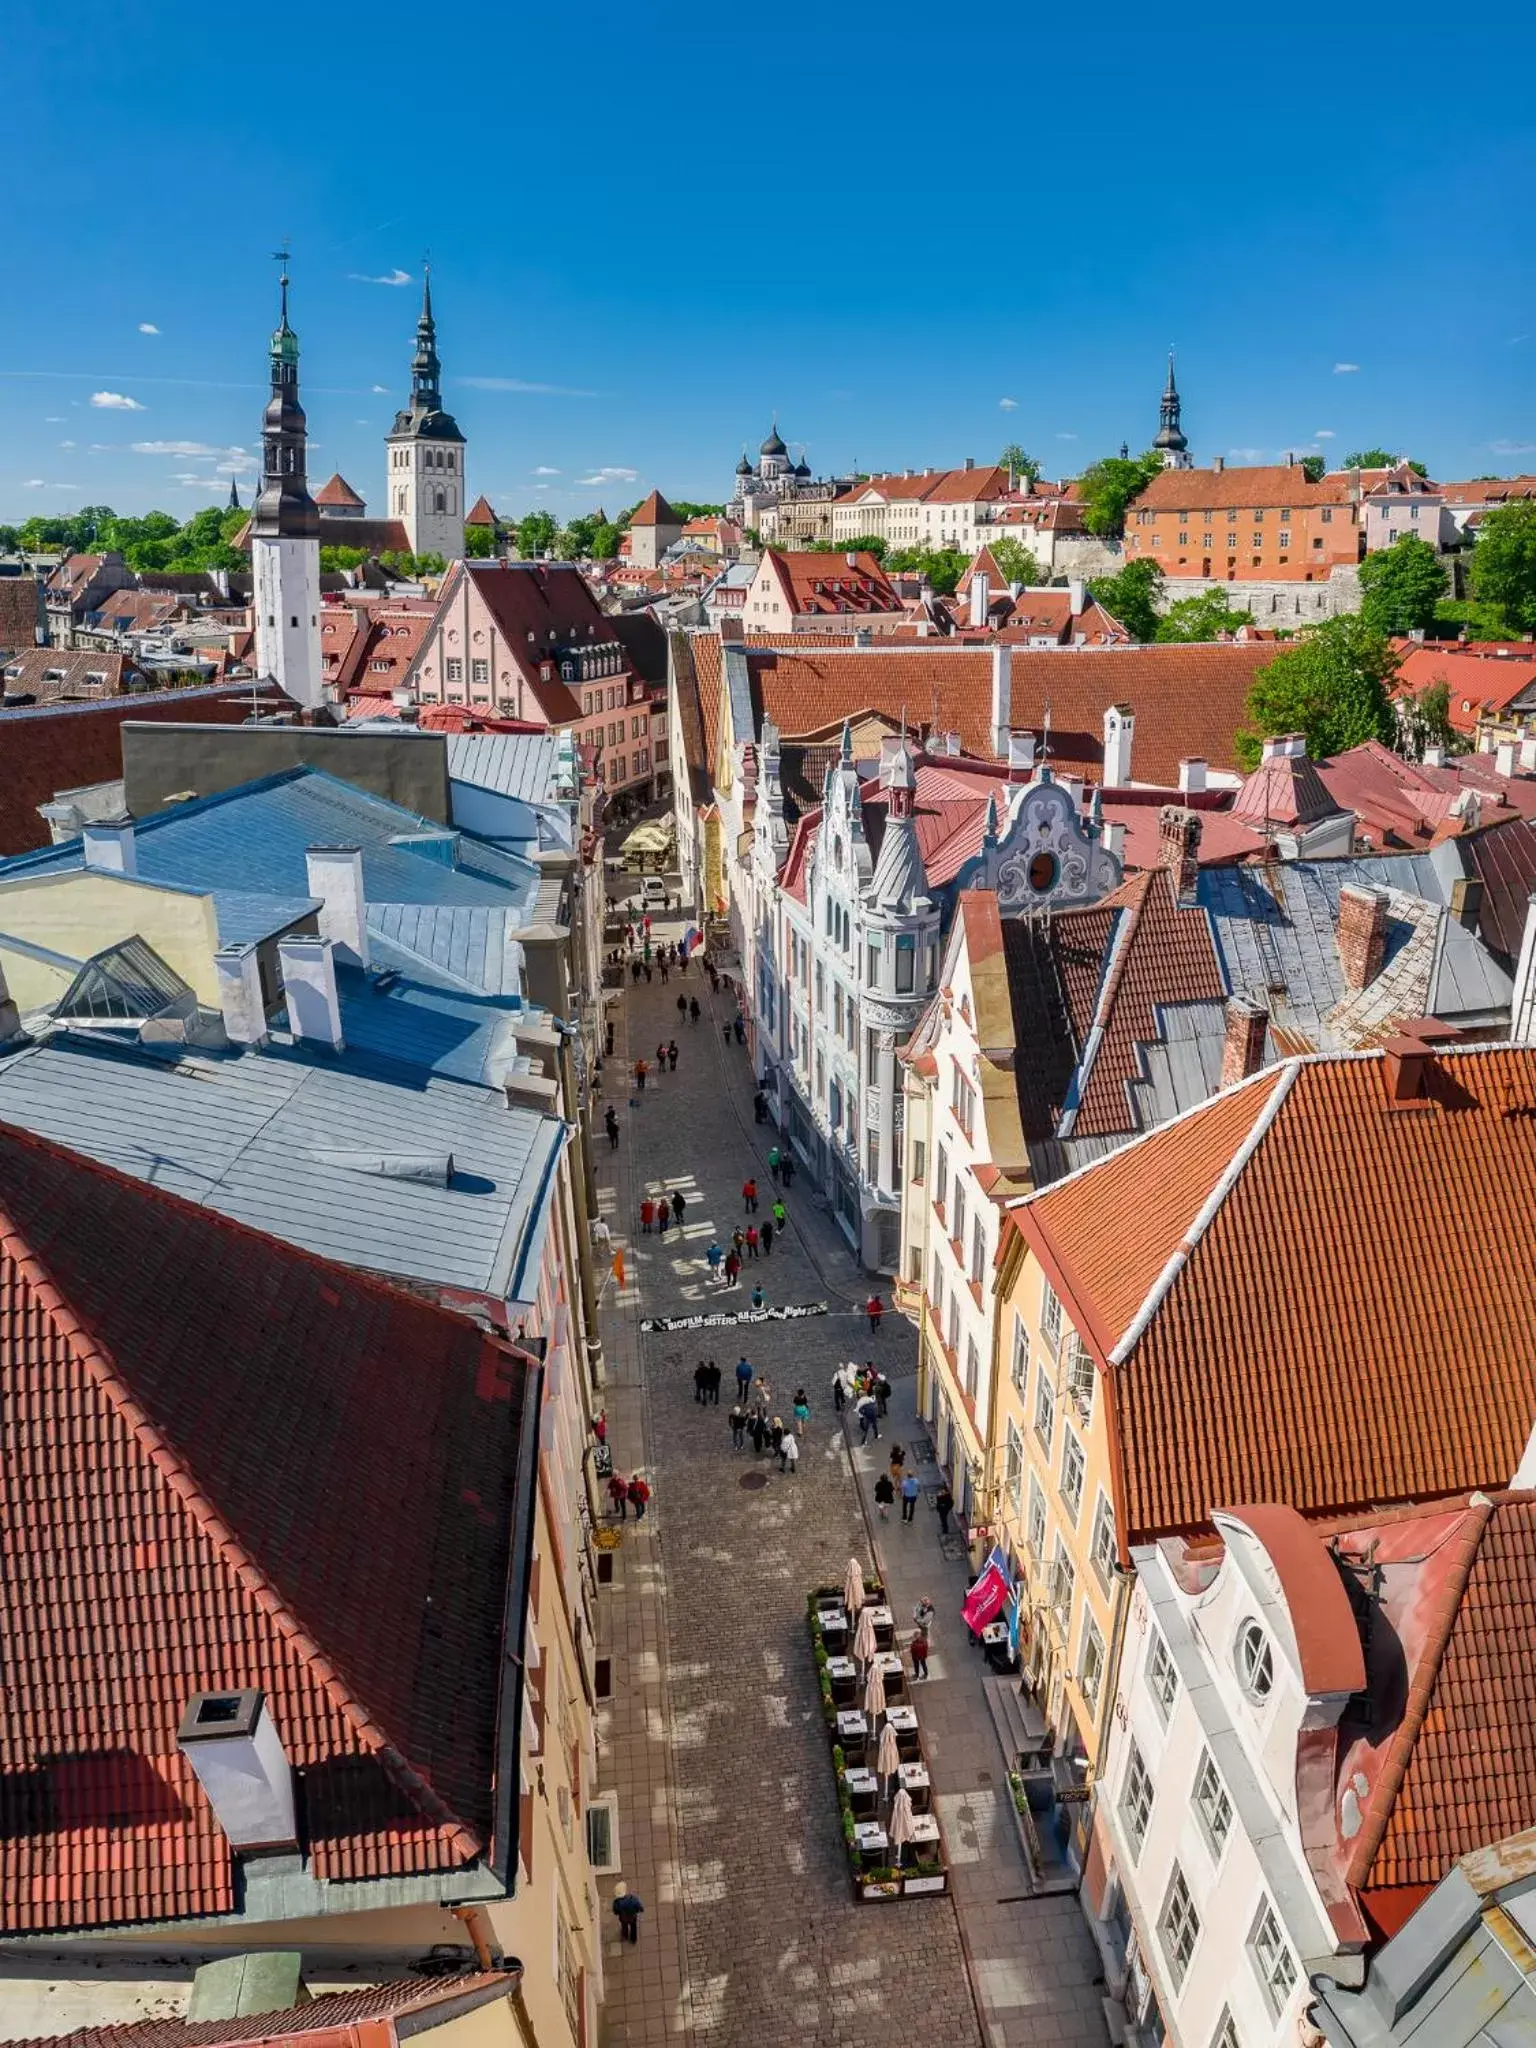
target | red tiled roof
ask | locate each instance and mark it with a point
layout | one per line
(480, 513)
(340, 2014)
(1285, 789)
(539, 607)
(1403, 803)
(1478, 683)
(830, 583)
(49, 748)
(654, 511)
(1291, 1358)
(338, 492)
(1489, 490)
(50, 673)
(1273, 484)
(228, 1464)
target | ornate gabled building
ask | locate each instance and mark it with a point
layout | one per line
(285, 534)
(427, 453)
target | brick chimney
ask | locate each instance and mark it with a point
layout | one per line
(1247, 1028)
(1362, 935)
(1178, 848)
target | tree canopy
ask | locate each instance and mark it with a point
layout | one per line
(1016, 561)
(1332, 686)
(861, 544)
(1107, 487)
(156, 540)
(1425, 721)
(1402, 585)
(1131, 597)
(1504, 562)
(1378, 458)
(943, 567)
(536, 535)
(1013, 457)
(479, 543)
(1205, 617)
(1314, 468)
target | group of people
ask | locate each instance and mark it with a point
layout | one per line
(625, 1494)
(750, 1417)
(746, 1243)
(660, 1213)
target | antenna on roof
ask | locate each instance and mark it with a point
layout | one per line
(1045, 736)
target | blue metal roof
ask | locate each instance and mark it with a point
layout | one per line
(515, 764)
(279, 1140)
(451, 1033)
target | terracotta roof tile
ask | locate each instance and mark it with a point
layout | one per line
(1478, 683)
(1272, 484)
(173, 1526)
(654, 511)
(338, 492)
(335, 2012)
(1290, 1359)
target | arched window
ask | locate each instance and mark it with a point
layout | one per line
(441, 506)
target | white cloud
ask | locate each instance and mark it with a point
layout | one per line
(379, 387)
(520, 384)
(1066, 437)
(1325, 434)
(115, 401)
(1009, 404)
(394, 277)
(54, 419)
(237, 465)
(1513, 447)
(611, 475)
(545, 470)
(1516, 339)
(200, 483)
(172, 448)
(148, 327)
(33, 483)
(66, 444)
(1247, 454)
(1345, 369)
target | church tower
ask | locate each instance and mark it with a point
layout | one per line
(426, 453)
(1170, 442)
(285, 535)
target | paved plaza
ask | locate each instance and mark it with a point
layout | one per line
(713, 1737)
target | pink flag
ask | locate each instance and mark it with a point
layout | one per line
(986, 1599)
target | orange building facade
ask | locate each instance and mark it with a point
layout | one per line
(1243, 525)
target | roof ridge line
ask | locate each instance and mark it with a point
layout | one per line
(98, 1363)
(1378, 1812)
(1082, 1074)
(1207, 1212)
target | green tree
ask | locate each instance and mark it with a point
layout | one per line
(479, 543)
(1378, 458)
(1314, 468)
(1467, 618)
(536, 535)
(943, 567)
(1425, 721)
(861, 544)
(1107, 487)
(605, 541)
(1014, 458)
(1504, 562)
(408, 567)
(1402, 585)
(1332, 686)
(1016, 561)
(575, 541)
(690, 508)
(10, 539)
(1131, 597)
(1205, 617)
(334, 560)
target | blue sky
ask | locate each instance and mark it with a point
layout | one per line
(913, 237)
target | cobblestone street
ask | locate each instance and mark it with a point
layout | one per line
(713, 1739)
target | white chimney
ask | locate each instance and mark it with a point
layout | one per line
(1114, 839)
(309, 983)
(245, 1014)
(109, 845)
(1434, 755)
(1504, 758)
(336, 877)
(1285, 746)
(981, 597)
(1002, 698)
(1077, 594)
(1192, 776)
(1527, 754)
(1021, 753)
(852, 558)
(1119, 730)
(230, 1740)
(1522, 1003)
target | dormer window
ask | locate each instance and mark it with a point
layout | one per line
(1255, 1662)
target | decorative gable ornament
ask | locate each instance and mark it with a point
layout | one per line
(1046, 856)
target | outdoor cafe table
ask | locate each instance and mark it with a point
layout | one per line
(851, 1725)
(913, 1778)
(924, 1828)
(862, 1785)
(884, 1625)
(871, 1838)
(888, 1664)
(834, 1622)
(904, 1721)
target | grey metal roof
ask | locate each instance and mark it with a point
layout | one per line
(517, 764)
(240, 1133)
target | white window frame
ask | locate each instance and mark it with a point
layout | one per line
(1013, 1466)
(1045, 1407)
(608, 1803)
(1162, 1674)
(1075, 1458)
(1036, 1519)
(1050, 1316)
(1178, 1927)
(1103, 1550)
(1212, 1805)
(1274, 1963)
(1138, 1796)
(1226, 2034)
(1253, 1657)
(1092, 1635)
(1019, 1370)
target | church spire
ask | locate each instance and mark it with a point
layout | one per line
(1171, 443)
(283, 507)
(234, 496)
(285, 532)
(426, 369)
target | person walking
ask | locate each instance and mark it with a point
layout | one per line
(672, 1055)
(682, 1006)
(885, 1493)
(738, 1241)
(789, 1453)
(739, 1026)
(757, 1429)
(701, 1382)
(634, 972)
(749, 1196)
(909, 1492)
(618, 1493)
(759, 1107)
(898, 1457)
(662, 964)
(647, 1216)
(732, 1268)
(661, 1059)
(743, 1379)
(944, 1506)
(869, 1419)
(773, 1165)
(802, 1410)
(839, 1387)
(751, 1240)
(611, 1125)
(713, 1257)
(922, 1615)
(663, 1218)
(765, 1237)
(639, 1494)
(738, 1426)
(693, 1009)
(679, 1204)
(776, 1434)
(641, 1071)
(919, 1651)
(787, 1168)
(759, 1299)
(880, 1387)
(874, 1308)
(780, 1216)
(627, 1909)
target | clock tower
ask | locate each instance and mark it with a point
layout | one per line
(426, 453)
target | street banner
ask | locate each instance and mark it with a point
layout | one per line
(723, 1318)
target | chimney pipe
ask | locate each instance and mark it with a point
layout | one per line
(1178, 848)
(1114, 840)
(1002, 698)
(1528, 754)
(1467, 901)
(1362, 935)
(309, 983)
(1021, 754)
(1192, 775)
(109, 844)
(1077, 595)
(1408, 1058)
(1434, 755)
(1218, 463)
(1242, 1052)
(1504, 758)
(335, 875)
(1119, 731)
(981, 597)
(239, 975)
(231, 1743)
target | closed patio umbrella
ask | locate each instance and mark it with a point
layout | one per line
(864, 1636)
(900, 1826)
(888, 1756)
(874, 1694)
(853, 1586)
